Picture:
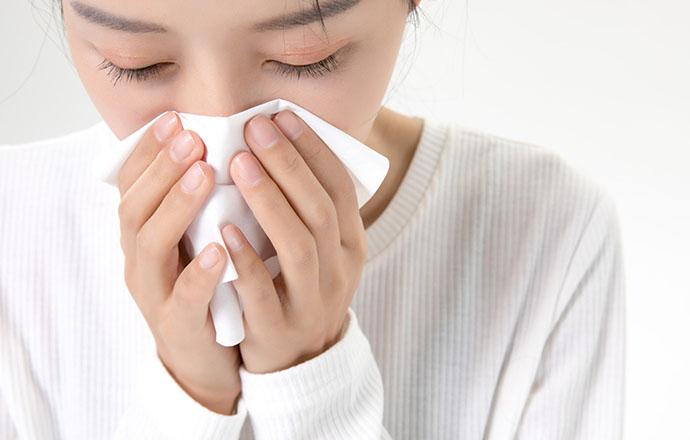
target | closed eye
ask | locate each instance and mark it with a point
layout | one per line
(116, 73)
(314, 70)
(141, 74)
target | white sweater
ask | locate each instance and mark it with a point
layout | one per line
(491, 306)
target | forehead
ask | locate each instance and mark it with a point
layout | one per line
(164, 16)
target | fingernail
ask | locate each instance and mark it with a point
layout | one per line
(249, 168)
(192, 178)
(165, 126)
(289, 124)
(209, 257)
(182, 146)
(263, 131)
(232, 237)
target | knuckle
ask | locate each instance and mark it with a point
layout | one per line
(184, 292)
(338, 282)
(122, 183)
(125, 177)
(130, 277)
(146, 243)
(187, 288)
(362, 247)
(290, 162)
(359, 246)
(323, 216)
(275, 320)
(312, 151)
(304, 254)
(264, 295)
(255, 269)
(349, 194)
(126, 214)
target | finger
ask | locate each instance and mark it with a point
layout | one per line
(147, 192)
(332, 174)
(261, 304)
(195, 287)
(302, 189)
(146, 150)
(159, 237)
(294, 244)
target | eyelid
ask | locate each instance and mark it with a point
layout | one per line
(122, 57)
(323, 54)
(117, 54)
(317, 50)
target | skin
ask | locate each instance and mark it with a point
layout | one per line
(301, 195)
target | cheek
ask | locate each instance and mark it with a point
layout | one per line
(351, 99)
(123, 108)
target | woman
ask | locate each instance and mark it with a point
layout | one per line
(478, 294)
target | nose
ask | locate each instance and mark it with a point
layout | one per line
(214, 85)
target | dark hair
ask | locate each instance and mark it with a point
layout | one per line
(411, 10)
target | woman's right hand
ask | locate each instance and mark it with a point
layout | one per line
(158, 203)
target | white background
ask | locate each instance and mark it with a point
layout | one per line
(604, 83)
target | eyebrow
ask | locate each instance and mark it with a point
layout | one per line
(307, 16)
(106, 19)
(291, 20)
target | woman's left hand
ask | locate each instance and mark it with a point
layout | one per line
(305, 201)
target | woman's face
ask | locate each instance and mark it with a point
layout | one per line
(219, 57)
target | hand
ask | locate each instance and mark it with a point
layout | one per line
(157, 206)
(307, 206)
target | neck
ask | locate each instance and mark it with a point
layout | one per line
(395, 136)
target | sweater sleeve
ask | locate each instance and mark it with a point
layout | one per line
(578, 389)
(162, 409)
(336, 395)
(7, 430)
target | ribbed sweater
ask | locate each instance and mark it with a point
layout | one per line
(491, 306)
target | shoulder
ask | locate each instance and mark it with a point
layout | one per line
(511, 174)
(526, 206)
(92, 136)
(59, 156)
(48, 176)
(528, 194)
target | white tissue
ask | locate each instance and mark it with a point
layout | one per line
(224, 137)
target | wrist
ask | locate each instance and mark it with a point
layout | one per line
(224, 403)
(221, 400)
(333, 339)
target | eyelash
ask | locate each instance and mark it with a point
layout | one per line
(116, 73)
(314, 70)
